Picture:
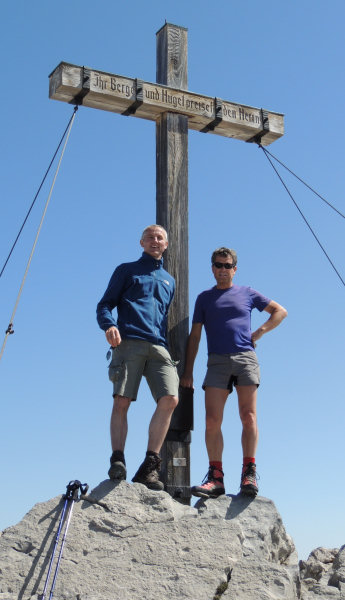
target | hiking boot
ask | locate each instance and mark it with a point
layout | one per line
(212, 485)
(249, 476)
(148, 473)
(117, 469)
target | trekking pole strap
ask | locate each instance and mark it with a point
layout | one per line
(73, 488)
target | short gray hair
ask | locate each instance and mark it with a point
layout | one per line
(222, 251)
(151, 227)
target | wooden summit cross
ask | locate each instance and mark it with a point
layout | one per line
(175, 110)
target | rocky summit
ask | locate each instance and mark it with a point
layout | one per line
(126, 542)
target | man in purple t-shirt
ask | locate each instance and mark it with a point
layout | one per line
(225, 312)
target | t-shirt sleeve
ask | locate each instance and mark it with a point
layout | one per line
(259, 301)
(198, 316)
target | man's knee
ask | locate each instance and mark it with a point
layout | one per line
(121, 403)
(248, 419)
(213, 422)
(168, 402)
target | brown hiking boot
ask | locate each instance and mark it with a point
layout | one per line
(148, 473)
(117, 469)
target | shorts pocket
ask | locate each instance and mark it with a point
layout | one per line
(116, 373)
(117, 367)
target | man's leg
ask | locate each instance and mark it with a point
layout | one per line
(118, 435)
(148, 472)
(160, 422)
(125, 371)
(162, 378)
(215, 399)
(119, 423)
(213, 485)
(247, 408)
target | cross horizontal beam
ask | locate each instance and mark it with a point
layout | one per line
(134, 97)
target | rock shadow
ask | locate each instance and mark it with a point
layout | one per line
(57, 512)
(238, 504)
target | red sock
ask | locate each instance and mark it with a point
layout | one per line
(217, 464)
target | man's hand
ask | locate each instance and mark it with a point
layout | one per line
(113, 336)
(256, 335)
(191, 352)
(186, 381)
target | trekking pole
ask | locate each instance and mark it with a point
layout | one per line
(70, 497)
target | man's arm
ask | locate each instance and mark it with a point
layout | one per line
(277, 312)
(106, 305)
(191, 352)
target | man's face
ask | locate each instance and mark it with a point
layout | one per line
(223, 276)
(154, 242)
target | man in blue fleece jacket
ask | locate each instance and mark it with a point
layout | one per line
(142, 292)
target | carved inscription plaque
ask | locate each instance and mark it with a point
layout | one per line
(146, 100)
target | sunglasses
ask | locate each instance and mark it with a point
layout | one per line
(219, 265)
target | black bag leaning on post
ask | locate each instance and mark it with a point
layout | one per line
(71, 495)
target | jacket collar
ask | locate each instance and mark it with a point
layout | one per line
(150, 260)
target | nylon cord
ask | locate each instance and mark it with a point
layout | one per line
(10, 327)
(302, 215)
(38, 191)
(304, 183)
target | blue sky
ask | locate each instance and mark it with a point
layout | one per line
(55, 395)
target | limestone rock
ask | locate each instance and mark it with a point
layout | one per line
(322, 576)
(126, 542)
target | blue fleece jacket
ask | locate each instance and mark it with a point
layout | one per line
(142, 292)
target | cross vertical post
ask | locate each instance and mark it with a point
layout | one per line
(172, 213)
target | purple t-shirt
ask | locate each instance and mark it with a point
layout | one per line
(226, 316)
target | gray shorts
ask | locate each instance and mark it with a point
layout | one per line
(134, 358)
(226, 370)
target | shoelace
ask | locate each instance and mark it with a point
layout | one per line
(206, 478)
(250, 474)
(210, 476)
